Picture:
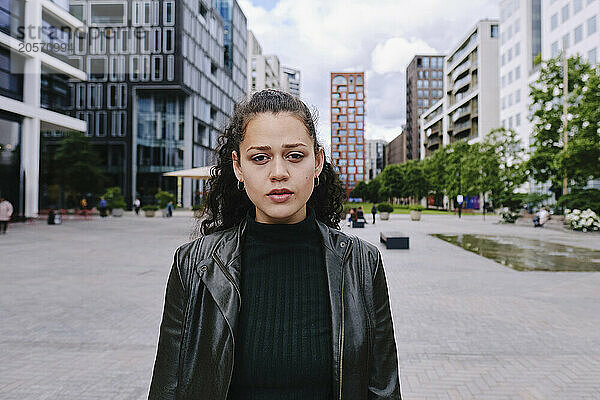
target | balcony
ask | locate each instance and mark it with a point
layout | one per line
(463, 126)
(460, 69)
(432, 141)
(462, 82)
(461, 112)
(467, 48)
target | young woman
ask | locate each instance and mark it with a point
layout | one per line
(273, 301)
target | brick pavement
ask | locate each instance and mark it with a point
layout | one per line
(80, 305)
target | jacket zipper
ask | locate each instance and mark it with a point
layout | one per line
(342, 333)
(228, 275)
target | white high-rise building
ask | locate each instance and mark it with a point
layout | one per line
(290, 80)
(374, 158)
(520, 44)
(469, 109)
(574, 23)
(33, 93)
(265, 71)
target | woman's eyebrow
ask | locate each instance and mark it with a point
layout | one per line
(285, 146)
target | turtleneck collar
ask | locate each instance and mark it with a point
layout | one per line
(303, 230)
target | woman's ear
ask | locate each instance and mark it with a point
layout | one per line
(319, 161)
(237, 168)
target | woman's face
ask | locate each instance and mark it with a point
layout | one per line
(277, 153)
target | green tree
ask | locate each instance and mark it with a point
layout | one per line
(360, 190)
(416, 183)
(549, 161)
(393, 181)
(77, 164)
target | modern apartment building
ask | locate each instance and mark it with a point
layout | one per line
(266, 71)
(520, 44)
(374, 158)
(160, 87)
(347, 126)
(33, 92)
(395, 151)
(290, 80)
(424, 87)
(470, 107)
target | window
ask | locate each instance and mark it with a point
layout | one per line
(577, 6)
(510, 77)
(565, 41)
(518, 72)
(111, 95)
(157, 68)
(169, 40)
(517, 49)
(108, 14)
(425, 62)
(510, 122)
(510, 99)
(339, 80)
(503, 80)
(553, 22)
(98, 68)
(510, 54)
(578, 34)
(592, 57)
(555, 50)
(517, 25)
(503, 59)
(517, 96)
(564, 13)
(518, 119)
(202, 9)
(419, 93)
(494, 31)
(134, 70)
(169, 12)
(591, 25)
(503, 102)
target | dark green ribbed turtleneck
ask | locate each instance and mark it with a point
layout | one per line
(283, 341)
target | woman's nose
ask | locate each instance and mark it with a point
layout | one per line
(279, 170)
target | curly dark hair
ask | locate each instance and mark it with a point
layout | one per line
(224, 205)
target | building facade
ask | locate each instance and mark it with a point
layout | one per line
(395, 151)
(33, 92)
(572, 25)
(290, 80)
(520, 46)
(374, 158)
(424, 87)
(266, 71)
(160, 87)
(347, 127)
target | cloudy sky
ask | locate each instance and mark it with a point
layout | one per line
(379, 37)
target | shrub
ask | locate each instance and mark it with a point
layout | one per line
(163, 198)
(114, 198)
(385, 207)
(582, 220)
(581, 200)
(150, 207)
(416, 207)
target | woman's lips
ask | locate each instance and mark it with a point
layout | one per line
(280, 197)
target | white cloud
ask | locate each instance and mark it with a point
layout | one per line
(379, 37)
(395, 54)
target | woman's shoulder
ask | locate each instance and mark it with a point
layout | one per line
(202, 246)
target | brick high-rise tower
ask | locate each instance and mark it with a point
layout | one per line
(347, 126)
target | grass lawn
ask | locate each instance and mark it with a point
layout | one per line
(403, 210)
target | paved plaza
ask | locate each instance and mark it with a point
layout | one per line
(81, 302)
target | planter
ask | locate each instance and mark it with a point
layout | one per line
(415, 215)
(149, 213)
(117, 212)
(384, 216)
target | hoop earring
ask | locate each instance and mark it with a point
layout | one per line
(238, 185)
(317, 178)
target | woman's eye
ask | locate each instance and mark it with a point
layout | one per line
(297, 156)
(259, 158)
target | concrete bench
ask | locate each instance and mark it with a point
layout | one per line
(358, 224)
(394, 240)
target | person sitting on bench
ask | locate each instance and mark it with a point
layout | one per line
(542, 216)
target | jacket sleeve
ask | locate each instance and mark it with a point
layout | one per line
(166, 366)
(384, 382)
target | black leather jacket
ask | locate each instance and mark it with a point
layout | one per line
(196, 345)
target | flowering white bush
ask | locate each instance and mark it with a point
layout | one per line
(582, 220)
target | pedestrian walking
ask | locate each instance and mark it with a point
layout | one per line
(263, 304)
(102, 207)
(137, 204)
(374, 211)
(6, 211)
(83, 203)
(170, 209)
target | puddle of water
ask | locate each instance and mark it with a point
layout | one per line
(524, 254)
